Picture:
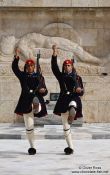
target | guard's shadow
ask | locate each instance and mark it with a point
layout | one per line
(51, 153)
(14, 154)
(11, 154)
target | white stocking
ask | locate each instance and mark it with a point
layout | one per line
(36, 105)
(72, 106)
(67, 131)
(29, 124)
(72, 112)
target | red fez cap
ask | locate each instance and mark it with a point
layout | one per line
(30, 61)
(68, 62)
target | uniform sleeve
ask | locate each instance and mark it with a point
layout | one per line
(16, 69)
(54, 67)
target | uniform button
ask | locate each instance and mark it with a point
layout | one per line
(31, 90)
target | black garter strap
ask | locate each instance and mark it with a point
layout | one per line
(29, 129)
(71, 107)
(66, 129)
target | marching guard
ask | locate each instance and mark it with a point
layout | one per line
(69, 104)
(31, 102)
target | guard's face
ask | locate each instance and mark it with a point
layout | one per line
(30, 68)
(68, 68)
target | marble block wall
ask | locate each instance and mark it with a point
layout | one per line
(84, 23)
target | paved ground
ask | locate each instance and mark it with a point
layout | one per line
(91, 157)
(87, 131)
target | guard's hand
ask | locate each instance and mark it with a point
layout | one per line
(42, 90)
(17, 53)
(55, 51)
(54, 47)
(78, 90)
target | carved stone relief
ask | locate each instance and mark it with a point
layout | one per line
(61, 30)
(30, 44)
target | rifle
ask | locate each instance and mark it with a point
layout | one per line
(38, 69)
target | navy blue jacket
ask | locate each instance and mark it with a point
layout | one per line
(30, 84)
(67, 83)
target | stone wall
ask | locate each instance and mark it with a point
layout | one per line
(88, 26)
(83, 22)
(55, 3)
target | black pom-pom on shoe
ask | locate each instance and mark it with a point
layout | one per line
(68, 151)
(32, 151)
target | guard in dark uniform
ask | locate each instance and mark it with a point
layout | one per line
(69, 104)
(31, 102)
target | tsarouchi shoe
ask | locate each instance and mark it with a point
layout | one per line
(68, 151)
(32, 151)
